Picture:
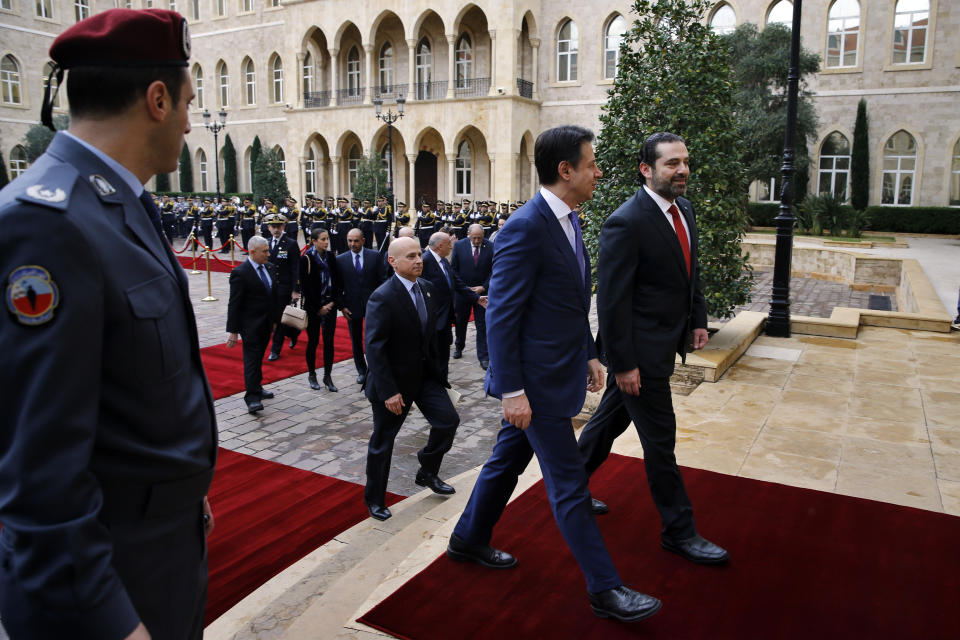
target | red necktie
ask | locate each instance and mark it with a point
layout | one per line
(681, 235)
(476, 256)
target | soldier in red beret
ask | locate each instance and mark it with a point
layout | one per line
(109, 442)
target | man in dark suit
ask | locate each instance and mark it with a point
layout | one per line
(472, 260)
(401, 348)
(362, 272)
(109, 436)
(285, 256)
(446, 283)
(251, 313)
(650, 307)
(542, 360)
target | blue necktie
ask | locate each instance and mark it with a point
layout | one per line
(263, 276)
(421, 306)
(151, 208)
(359, 267)
(578, 243)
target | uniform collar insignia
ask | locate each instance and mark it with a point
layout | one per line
(47, 195)
(103, 187)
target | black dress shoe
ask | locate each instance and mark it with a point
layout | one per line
(484, 364)
(598, 507)
(696, 549)
(273, 356)
(432, 482)
(253, 407)
(378, 512)
(483, 554)
(457, 353)
(623, 603)
(266, 395)
(329, 383)
(293, 342)
(312, 381)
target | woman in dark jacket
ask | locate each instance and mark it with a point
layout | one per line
(322, 290)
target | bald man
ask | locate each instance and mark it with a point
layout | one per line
(401, 347)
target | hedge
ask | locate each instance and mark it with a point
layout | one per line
(204, 194)
(944, 220)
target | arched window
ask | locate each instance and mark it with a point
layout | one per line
(198, 85)
(724, 19)
(781, 13)
(249, 82)
(10, 81)
(353, 166)
(246, 6)
(202, 167)
(81, 9)
(611, 46)
(353, 72)
(277, 79)
(910, 31)
(54, 94)
(221, 7)
(281, 161)
(307, 74)
(18, 161)
(386, 67)
(568, 40)
(899, 167)
(44, 8)
(424, 70)
(464, 169)
(955, 175)
(311, 172)
(835, 166)
(464, 62)
(224, 84)
(843, 33)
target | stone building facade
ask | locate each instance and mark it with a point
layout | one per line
(481, 79)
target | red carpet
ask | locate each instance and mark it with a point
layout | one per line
(805, 564)
(267, 517)
(224, 366)
(187, 262)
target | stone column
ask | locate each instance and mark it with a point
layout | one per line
(533, 177)
(411, 72)
(303, 177)
(515, 175)
(451, 176)
(451, 78)
(493, 63)
(298, 78)
(535, 44)
(412, 173)
(335, 164)
(494, 194)
(333, 80)
(368, 66)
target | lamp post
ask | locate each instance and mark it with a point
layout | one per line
(778, 320)
(215, 127)
(390, 117)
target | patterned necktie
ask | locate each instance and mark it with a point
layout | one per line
(681, 235)
(263, 276)
(476, 255)
(578, 243)
(421, 305)
(359, 267)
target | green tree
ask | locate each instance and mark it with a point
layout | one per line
(38, 137)
(860, 159)
(256, 149)
(268, 179)
(229, 155)
(163, 182)
(371, 177)
(4, 179)
(674, 75)
(186, 170)
(761, 62)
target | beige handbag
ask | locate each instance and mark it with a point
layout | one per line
(295, 317)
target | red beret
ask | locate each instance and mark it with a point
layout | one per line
(125, 38)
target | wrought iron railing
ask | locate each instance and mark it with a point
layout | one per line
(350, 96)
(389, 92)
(525, 87)
(472, 87)
(430, 90)
(316, 99)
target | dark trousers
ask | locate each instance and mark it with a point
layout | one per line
(282, 331)
(253, 349)
(463, 308)
(444, 340)
(245, 235)
(552, 439)
(435, 405)
(340, 239)
(224, 231)
(328, 325)
(206, 231)
(652, 414)
(366, 226)
(380, 232)
(162, 563)
(356, 341)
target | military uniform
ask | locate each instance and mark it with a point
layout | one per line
(207, 214)
(426, 220)
(226, 225)
(384, 213)
(292, 214)
(248, 223)
(403, 218)
(367, 216)
(344, 224)
(168, 219)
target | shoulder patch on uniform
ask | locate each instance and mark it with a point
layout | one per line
(103, 187)
(52, 189)
(32, 295)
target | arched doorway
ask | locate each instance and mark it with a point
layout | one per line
(425, 171)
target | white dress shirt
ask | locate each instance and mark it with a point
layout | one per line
(664, 205)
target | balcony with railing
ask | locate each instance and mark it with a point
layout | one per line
(430, 90)
(353, 95)
(390, 92)
(471, 87)
(525, 88)
(313, 99)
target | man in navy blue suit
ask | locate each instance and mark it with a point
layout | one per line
(542, 360)
(472, 259)
(362, 271)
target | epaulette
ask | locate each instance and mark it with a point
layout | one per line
(52, 188)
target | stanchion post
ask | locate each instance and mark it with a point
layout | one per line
(209, 297)
(195, 270)
(232, 245)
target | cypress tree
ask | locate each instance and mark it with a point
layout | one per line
(163, 182)
(186, 170)
(229, 155)
(268, 180)
(256, 149)
(860, 160)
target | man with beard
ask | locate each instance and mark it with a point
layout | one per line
(650, 307)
